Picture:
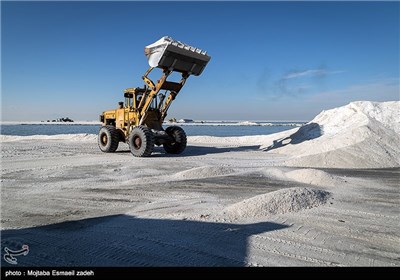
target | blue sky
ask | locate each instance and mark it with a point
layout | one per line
(270, 60)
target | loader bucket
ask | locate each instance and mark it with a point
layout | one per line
(173, 55)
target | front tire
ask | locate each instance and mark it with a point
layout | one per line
(108, 139)
(178, 145)
(141, 141)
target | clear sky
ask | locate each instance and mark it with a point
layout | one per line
(270, 60)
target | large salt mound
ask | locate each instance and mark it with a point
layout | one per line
(361, 134)
(278, 202)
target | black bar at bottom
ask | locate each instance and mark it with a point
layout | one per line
(133, 272)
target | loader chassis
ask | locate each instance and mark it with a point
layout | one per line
(138, 121)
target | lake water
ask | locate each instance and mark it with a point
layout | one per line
(191, 130)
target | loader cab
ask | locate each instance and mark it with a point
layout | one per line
(129, 100)
(133, 96)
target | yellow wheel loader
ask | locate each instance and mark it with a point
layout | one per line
(138, 121)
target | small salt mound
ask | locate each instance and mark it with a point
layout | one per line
(278, 202)
(314, 177)
(203, 172)
(307, 176)
(276, 173)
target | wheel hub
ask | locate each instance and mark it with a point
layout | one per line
(137, 142)
(104, 139)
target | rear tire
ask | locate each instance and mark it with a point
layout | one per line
(180, 141)
(108, 139)
(141, 141)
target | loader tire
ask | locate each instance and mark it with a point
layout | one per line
(141, 141)
(108, 139)
(179, 143)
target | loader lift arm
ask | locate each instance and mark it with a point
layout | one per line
(162, 84)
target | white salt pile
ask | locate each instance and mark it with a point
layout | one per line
(278, 202)
(203, 172)
(361, 134)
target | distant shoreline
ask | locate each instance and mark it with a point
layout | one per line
(49, 123)
(194, 123)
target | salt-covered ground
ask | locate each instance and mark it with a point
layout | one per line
(325, 194)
